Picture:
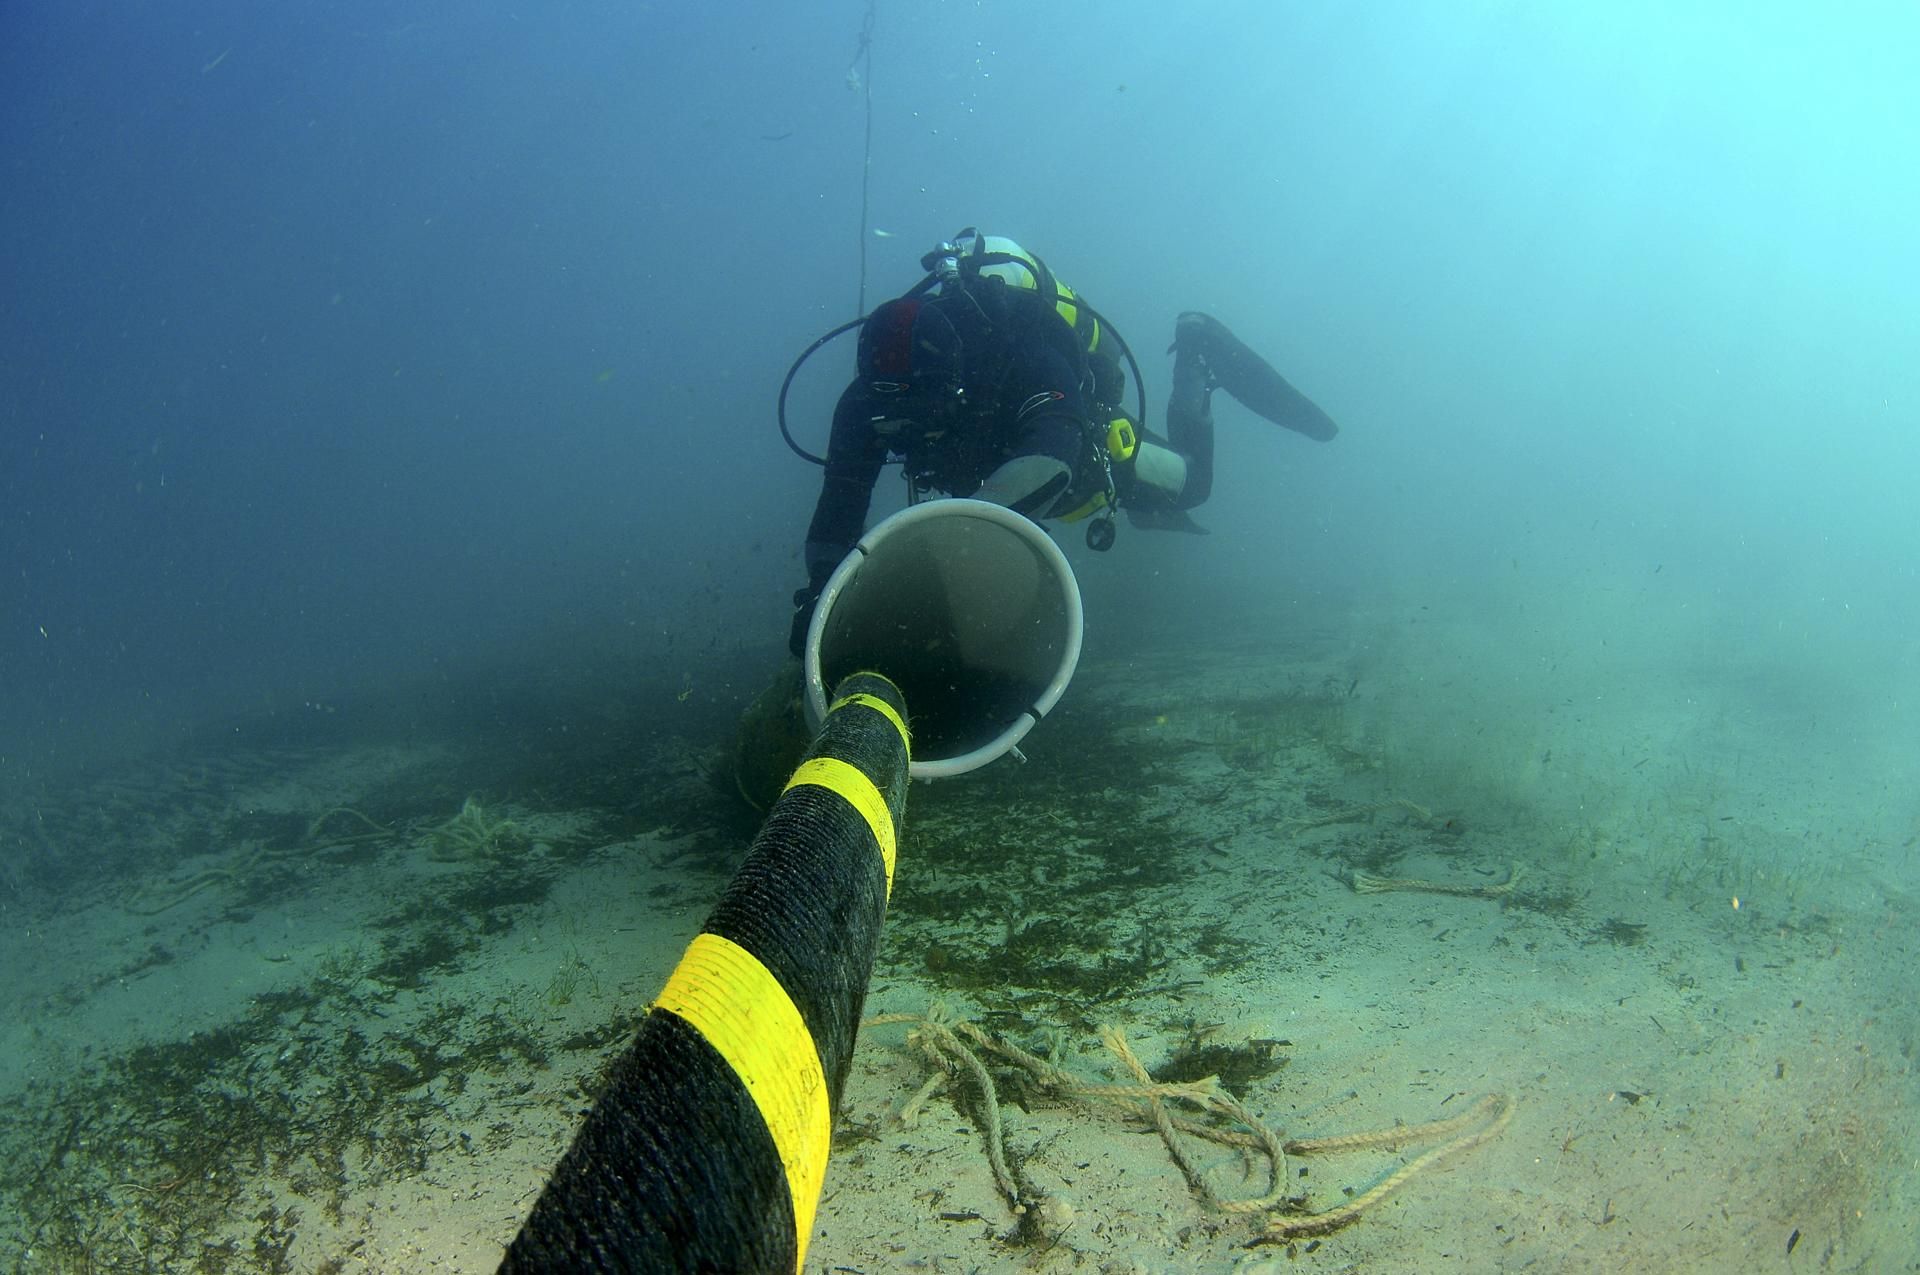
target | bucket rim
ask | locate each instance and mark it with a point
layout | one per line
(1044, 547)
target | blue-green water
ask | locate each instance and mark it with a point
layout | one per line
(386, 420)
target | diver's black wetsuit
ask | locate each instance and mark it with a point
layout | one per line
(969, 385)
(1025, 391)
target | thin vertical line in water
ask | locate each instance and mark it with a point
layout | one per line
(863, 57)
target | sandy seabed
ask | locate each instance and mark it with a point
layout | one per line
(285, 1007)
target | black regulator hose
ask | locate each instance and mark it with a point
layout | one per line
(1139, 386)
(787, 384)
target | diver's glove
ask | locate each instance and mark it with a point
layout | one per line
(804, 601)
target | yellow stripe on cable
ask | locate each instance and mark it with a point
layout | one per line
(858, 791)
(880, 706)
(736, 1003)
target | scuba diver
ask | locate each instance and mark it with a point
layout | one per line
(991, 379)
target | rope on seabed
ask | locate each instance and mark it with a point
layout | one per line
(958, 1047)
(1367, 883)
(1497, 1109)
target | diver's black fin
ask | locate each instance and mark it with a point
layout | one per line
(1250, 378)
